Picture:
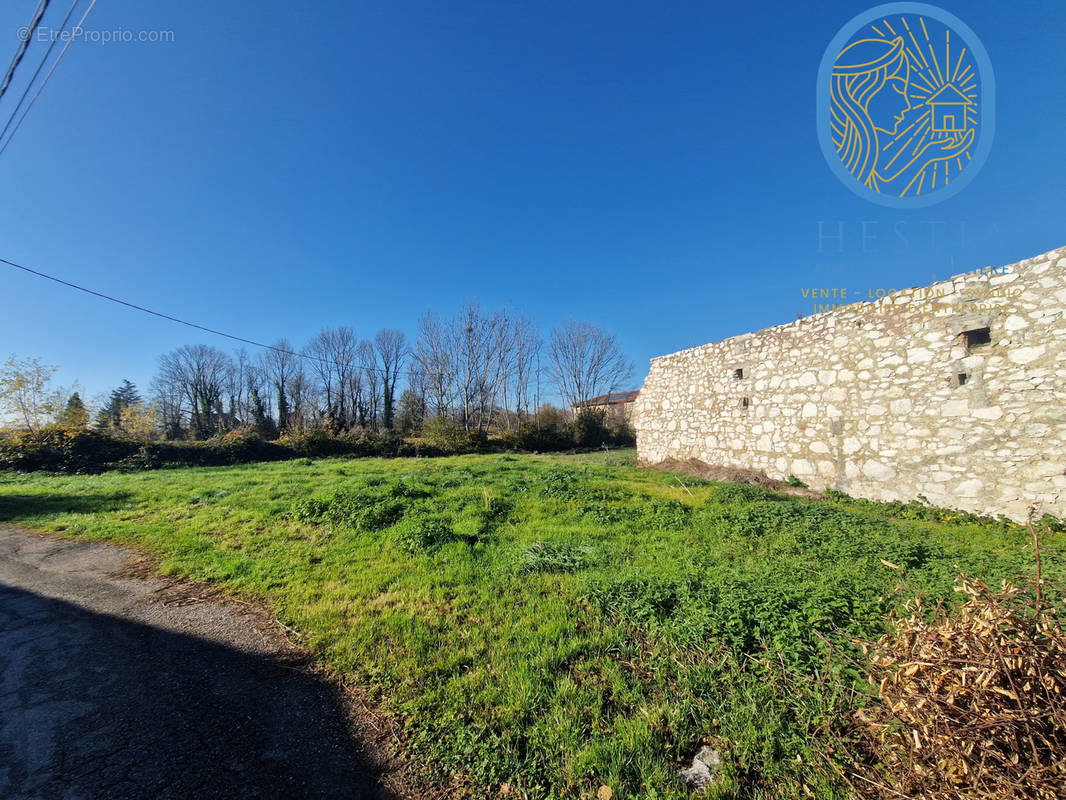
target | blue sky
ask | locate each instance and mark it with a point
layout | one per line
(652, 167)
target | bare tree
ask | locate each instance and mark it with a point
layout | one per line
(470, 334)
(198, 374)
(525, 358)
(332, 358)
(436, 362)
(279, 364)
(302, 411)
(356, 398)
(368, 408)
(236, 388)
(170, 399)
(479, 368)
(483, 346)
(476, 365)
(586, 361)
(319, 354)
(390, 350)
(417, 382)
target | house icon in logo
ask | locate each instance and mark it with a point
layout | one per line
(949, 107)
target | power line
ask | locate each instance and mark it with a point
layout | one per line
(178, 320)
(73, 36)
(30, 30)
(40, 66)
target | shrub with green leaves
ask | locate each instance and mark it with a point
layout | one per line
(448, 436)
(424, 533)
(365, 508)
(560, 483)
(665, 514)
(744, 493)
(59, 448)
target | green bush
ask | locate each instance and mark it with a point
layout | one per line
(316, 442)
(665, 514)
(535, 437)
(79, 450)
(448, 437)
(589, 428)
(920, 509)
(603, 513)
(63, 449)
(425, 533)
(365, 508)
(390, 443)
(623, 435)
(244, 445)
(744, 493)
(560, 483)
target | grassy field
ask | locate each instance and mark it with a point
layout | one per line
(551, 623)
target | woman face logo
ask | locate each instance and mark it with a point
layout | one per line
(905, 99)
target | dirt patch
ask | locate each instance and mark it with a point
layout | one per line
(138, 684)
(380, 737)
(724, 474)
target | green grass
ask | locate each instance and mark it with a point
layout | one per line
(556, 623)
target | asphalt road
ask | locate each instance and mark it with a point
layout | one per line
(108, 689)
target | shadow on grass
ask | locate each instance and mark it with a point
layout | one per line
(15, 507)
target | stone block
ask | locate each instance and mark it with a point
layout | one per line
(1026, 355)
(876, 471)
(901, 406)
(955, 408)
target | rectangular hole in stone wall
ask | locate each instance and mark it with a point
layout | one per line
(977, 337)
(738, 373)
(963, 377)
(745, 402)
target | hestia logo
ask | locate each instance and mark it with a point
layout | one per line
(906, 105)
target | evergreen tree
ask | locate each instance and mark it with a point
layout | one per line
(412, 412)
(123, 397)
(261, 419)
(74, 414)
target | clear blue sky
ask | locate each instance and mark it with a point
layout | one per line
(652, 167)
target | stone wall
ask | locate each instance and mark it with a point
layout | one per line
(888, 400)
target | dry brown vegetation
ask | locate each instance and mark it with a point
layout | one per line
(972, 703)
(725, 474)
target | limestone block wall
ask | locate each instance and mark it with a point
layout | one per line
(888, 400)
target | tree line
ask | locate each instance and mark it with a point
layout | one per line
(480, 371)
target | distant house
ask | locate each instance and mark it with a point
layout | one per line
(949, 107)
(618, 406)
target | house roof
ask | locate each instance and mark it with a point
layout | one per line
(950, 95)
(612, 398)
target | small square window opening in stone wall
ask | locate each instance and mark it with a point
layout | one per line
(738, 373)
(745, 402)
(963, 377)
(977, 337)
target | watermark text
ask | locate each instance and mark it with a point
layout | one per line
(96, 35)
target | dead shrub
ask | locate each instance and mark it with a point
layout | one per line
(972, 704)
